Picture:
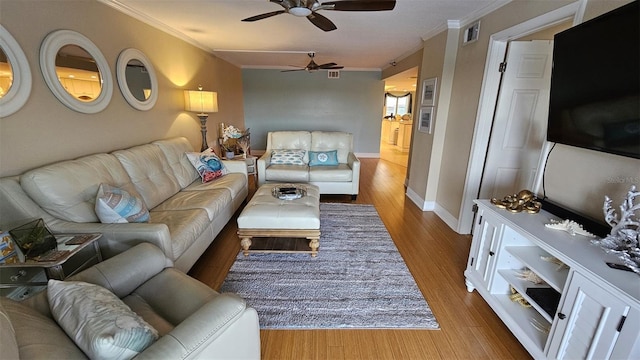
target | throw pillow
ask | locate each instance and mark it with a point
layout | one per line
(323, 158)
(287, 157)
(100, 324)
(115, 205)
(208, 165)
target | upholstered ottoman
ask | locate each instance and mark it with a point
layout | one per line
(268, 216)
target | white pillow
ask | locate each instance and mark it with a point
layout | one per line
(100, 324)
(115, 205)
(287, 157)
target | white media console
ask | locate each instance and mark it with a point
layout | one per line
(598, 308)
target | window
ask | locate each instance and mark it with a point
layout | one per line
(397, 104)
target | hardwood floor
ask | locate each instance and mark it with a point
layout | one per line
(435, 255)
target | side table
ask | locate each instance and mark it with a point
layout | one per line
(75, 252)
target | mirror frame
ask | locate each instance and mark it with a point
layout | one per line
(20, 89)
(123, 60)
(51, 44)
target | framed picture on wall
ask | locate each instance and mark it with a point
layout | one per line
(425, 121)
(429, 92)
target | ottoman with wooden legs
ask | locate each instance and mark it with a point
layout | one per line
(269, 216)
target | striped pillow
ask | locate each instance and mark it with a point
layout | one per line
(288, 157)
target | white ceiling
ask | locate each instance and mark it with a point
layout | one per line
(363, 40)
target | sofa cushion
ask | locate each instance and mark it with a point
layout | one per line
(115, 205)
(207, 164)
(323, 158)
(150, 173)
(175, 150)
(101, 324)
(185, 226)
(36, 335)
(289, 140)
(236, 183)
(330, 140)
(287, 173)
(212, 201)
(288, 157)
(340, 173)
(67, 190)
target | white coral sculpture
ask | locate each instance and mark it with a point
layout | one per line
(624, 238)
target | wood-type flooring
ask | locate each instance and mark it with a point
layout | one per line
(435, 255)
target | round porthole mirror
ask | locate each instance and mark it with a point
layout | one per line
(15, 75)
(137, 79)
(76, 71)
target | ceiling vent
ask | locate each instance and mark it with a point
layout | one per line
(333, 74)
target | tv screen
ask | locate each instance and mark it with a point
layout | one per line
(595, 84)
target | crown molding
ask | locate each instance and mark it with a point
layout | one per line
(117, 5)
(459, 23)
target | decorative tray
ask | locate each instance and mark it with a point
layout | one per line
(289, 191)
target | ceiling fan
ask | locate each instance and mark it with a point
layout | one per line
(309, 8)
(313, 67)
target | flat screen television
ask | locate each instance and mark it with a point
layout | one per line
(595, 84)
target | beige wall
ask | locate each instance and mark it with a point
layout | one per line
(574, 175)
(45, 130)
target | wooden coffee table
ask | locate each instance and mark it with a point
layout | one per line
(267, 216)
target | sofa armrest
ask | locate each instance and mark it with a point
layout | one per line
(354, 164)
(223, 328)
(262, 164)
(235, 166)
(125, 272)
(117, 238)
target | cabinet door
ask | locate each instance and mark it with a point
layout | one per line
(588, 322)
(486, 241)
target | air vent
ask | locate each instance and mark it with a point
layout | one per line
(333, 74)
(471, 33)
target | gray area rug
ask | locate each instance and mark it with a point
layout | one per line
(358, 279)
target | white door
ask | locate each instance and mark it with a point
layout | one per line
(520, 121)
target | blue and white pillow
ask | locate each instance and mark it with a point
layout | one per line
(323, 158)
(99, 323)
(288, 157)
(208, 165)
(115, 205)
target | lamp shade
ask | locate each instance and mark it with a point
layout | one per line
(201, 101)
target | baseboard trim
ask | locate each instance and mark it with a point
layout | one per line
(419, 201)
(446, 216)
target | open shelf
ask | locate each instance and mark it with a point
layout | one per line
(511, 276)
(551, 273)
(524, 318)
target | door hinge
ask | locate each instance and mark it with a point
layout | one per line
(503, 67)
(621, 324)
(474, 208)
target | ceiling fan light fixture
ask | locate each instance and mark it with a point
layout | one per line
(300, 11)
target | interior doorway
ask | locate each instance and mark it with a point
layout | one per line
(396, 127)
(572, 14)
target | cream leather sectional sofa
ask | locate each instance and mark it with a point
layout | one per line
(341, 178)
(185, 214)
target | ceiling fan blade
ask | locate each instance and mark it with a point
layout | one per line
(293, 70)
(335, 67)
(321, 22)
(264, 16)
(323, 66)
(362, 5)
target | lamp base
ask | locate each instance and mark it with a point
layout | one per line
(203, 130)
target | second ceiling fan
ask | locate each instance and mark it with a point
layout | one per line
(309, 8)
(313, 67)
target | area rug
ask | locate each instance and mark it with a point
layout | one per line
(358, 279)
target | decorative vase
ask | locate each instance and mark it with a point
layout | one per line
(229, 155)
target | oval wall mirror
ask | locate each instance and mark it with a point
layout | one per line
(15, 75)
(137, 79)
(76, 71)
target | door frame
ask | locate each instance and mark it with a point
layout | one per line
(489, 96)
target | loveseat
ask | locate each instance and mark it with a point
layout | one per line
(321, 158)
(185, 214)
(185, 318)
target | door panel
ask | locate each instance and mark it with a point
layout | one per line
(520, 121)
